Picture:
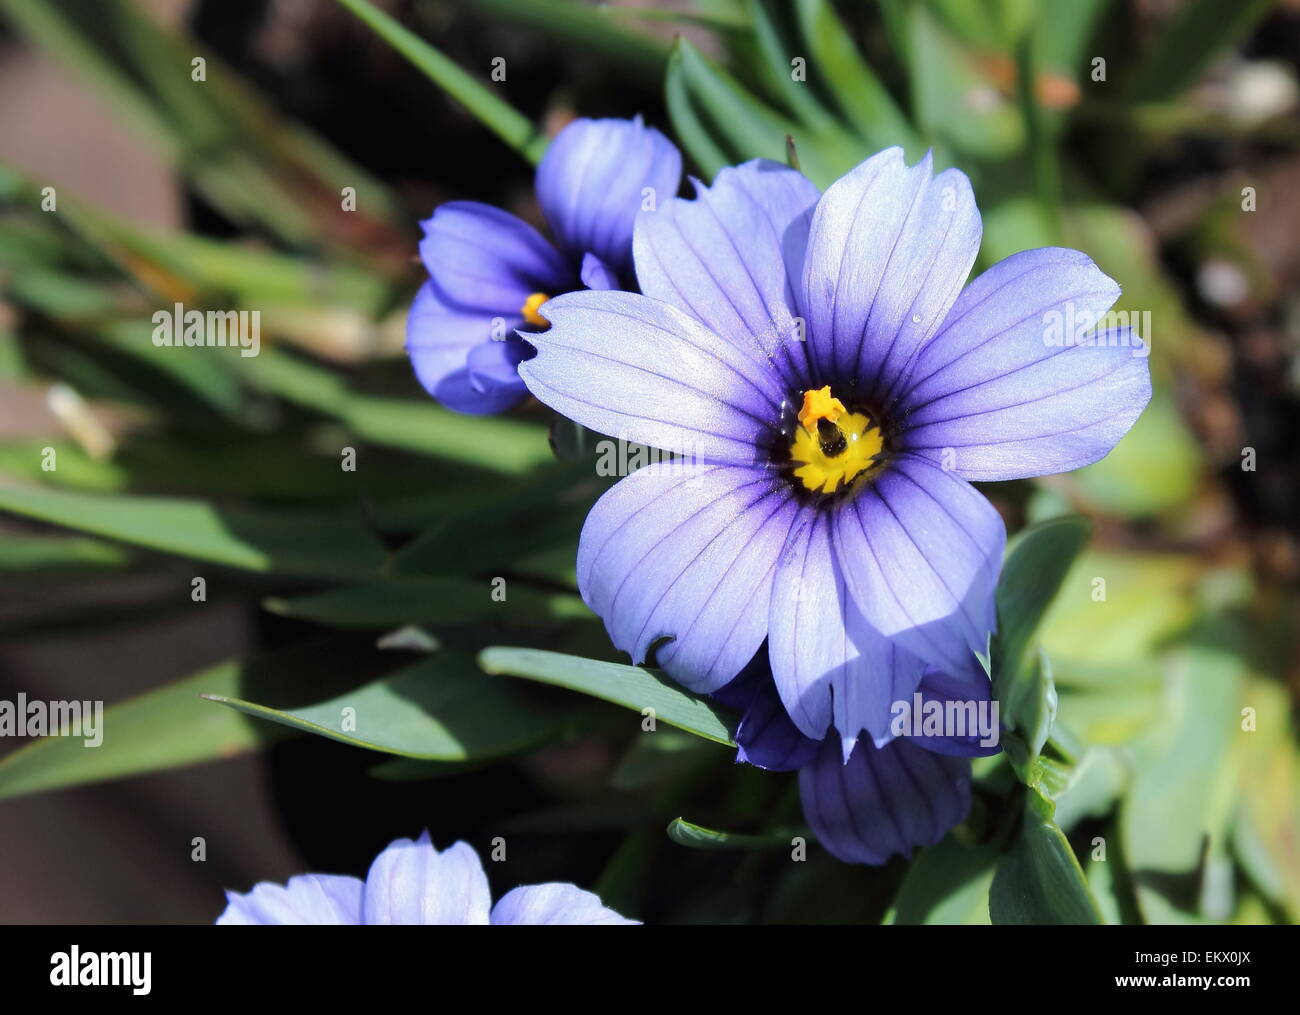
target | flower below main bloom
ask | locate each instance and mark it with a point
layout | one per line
(410, 882)
(490, 272)
(867, 799)
(834, 387)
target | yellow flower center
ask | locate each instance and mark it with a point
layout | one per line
(833, 446)
(529, 310)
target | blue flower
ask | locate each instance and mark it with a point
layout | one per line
(410, 882)
(834, 386)
(867, 799)
(490, 271)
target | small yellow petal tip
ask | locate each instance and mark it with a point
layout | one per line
(530, 308)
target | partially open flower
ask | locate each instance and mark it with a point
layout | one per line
(490, 271)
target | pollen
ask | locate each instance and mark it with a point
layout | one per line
(819, 404)
(834, 447)
(529, 310)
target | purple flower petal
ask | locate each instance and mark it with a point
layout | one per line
(920, 551)
(596, 274)
(306, 899)
(1001, 388)
(554, 904)
(828, 664)
(727, 258)
(884, 800)
(966, 698)
(495, 365)
(765, 736)
(594, 178)
(440, 339)
(634, 368)
(686, 552)
(889, 251)
(410, 882)
(483, 258)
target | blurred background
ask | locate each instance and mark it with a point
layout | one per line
(1159, 136)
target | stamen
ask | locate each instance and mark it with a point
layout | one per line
(529, 310)
(819, 404)
(834, 448)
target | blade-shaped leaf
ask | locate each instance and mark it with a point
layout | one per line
(589, 30)
(777, 64)
(860, 94)
(1039, 881)
(439, 709)
(173, 726)
(317, 544)
(544, 514)
(1196, 34)
(687, 833)
(30, 553)
(1037, 561)
(947, 884)
(1036, 565)
(710, 107)
(385, 604)
(633, 687)
(497, 444)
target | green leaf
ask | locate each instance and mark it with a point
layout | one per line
(796, 96)
(693, 133)
(439, 709)
(1267, 825)
(1196, 34)
(206, 377)
(1036, 565)
(30, 553)
(1041, 144)
(316, 544)
(497, 444)
(686, 833)
(173, 726)
(385, 604)
(954, 101)
(1156, 468)
(666, 758)
(493, 112)
(1039, 881)
(546, 513)
(1037, 562)
(632, 687)
(721, 123)
(1114, 610)
(1184, 785)
(588, 31)
(947, 884)
(1095, 783)
(860, 94)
